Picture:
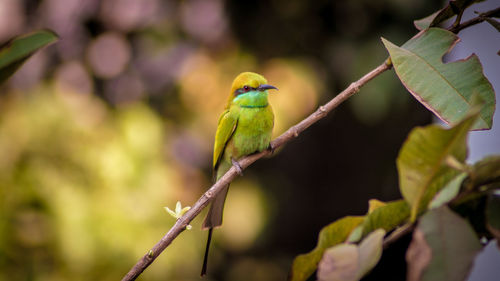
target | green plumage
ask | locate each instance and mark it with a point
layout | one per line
(245, 127)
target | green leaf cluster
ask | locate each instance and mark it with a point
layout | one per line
(340, 235)
(333, 234)
(434, 180)
(427, 189)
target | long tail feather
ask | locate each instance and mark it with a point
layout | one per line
(205, 259)
(214, 215)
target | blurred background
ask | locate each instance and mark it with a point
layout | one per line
(101, 130)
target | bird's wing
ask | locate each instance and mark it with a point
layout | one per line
(225, 129)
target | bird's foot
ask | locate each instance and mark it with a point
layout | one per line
(271, 148)
(239, 170)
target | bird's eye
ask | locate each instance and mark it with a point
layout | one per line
(246, 88)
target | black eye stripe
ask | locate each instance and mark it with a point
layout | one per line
(242, 90)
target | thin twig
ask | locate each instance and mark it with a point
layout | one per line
(479, 19)
(291, 133)
(398, 233)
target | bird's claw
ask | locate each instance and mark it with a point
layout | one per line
(271, 148)
(239, 170)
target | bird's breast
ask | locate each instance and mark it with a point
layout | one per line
(253, 132)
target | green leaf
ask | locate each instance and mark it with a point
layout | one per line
(447, 89)
(374, 204)
(15, 52)
(447, 12)
(425, 23)
(335, 233)
(443, 247)
(448, 192)
(370, 251)
(387, 216)
(356, 234)
(493, 215)
(348, 262)
(486, 171)
(339, 263)
(422, 164)
(418, 256)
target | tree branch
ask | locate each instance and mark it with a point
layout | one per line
(291, 133)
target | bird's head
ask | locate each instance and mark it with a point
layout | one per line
(249, 90)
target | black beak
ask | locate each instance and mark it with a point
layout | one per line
(264, 87)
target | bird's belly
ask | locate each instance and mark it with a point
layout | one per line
(253, 132)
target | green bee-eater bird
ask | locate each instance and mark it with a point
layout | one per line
(244, 128)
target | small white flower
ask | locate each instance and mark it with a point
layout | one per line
(179, 212)
(172, 213)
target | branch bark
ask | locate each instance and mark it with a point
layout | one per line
(291, 133)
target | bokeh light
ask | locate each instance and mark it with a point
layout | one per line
(11, 18)
(108, 55)
(73, 77)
